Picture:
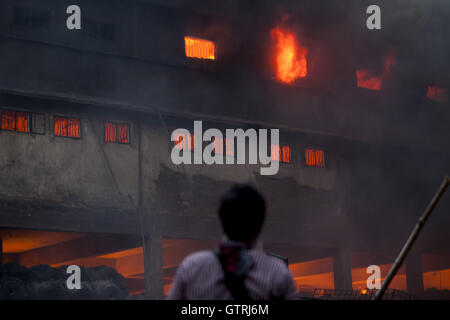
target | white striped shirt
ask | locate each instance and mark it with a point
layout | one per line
(200, 277)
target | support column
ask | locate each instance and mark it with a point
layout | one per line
(414, 276)
(154, 280)
(342, 269)
(1, 251)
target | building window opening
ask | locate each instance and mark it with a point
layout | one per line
(116, 132)
(281, 153)
(15, 121)
(199, 48)
(185, 143)
(314, 158)
(67, 127)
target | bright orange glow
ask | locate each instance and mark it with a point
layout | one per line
(276, 152)
(8, 120)
(116, 132)
(167, 288)
(67, 127)
(60, 127)
(18, 241)
(314, 158)
(199, 48)
(290, 57)
(73, 128)
(281, 153)
(219, 146)
(439, 279)
(180, 142)
(123, 253)
(366, 79)
(436, 272)
(313, 274)
(229, 146)
(14, 121)
(359, 277)
(286, 151)
(22, 121)
(436, 93)
(110, 132)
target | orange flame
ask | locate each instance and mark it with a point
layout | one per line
(436, 93)
(367, 80)
(199, 48)
(290, 58)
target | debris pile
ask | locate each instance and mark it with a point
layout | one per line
(44, 282)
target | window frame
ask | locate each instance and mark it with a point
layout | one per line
(117, 122)
(15, 120)
(315, 150)
(80, 131)
(281, 146)
(196, 58)
(44, 118)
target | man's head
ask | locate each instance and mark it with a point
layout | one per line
(242, 212)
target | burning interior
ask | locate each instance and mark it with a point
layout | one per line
(313, 277)
(290, 57)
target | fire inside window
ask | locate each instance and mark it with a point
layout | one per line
(219, 145)
(224, 145)
(199, 48)
(116, 132)
(314, 158)
(180, 142)
(15, 121)
(436, 93)
(281, 153)
(290, 57)
(67, 127)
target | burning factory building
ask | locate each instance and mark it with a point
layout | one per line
(86, 117)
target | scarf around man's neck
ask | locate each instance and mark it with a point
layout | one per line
(235, 257)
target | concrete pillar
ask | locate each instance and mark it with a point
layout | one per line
(414, 276)
(154, 280)
(342, 269)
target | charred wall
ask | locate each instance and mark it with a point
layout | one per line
(367, 196)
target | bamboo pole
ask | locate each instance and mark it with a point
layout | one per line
(412, 238)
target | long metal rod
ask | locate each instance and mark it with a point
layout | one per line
(412, 238)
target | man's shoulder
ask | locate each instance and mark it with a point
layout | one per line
(207, 258)
(199, 257)
(269, 261)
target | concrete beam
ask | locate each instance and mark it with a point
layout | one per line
(154, 279)
(342, 269)
(92, 245)
(20, 214)
(89, 262)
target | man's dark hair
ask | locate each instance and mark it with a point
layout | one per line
(242, 212)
